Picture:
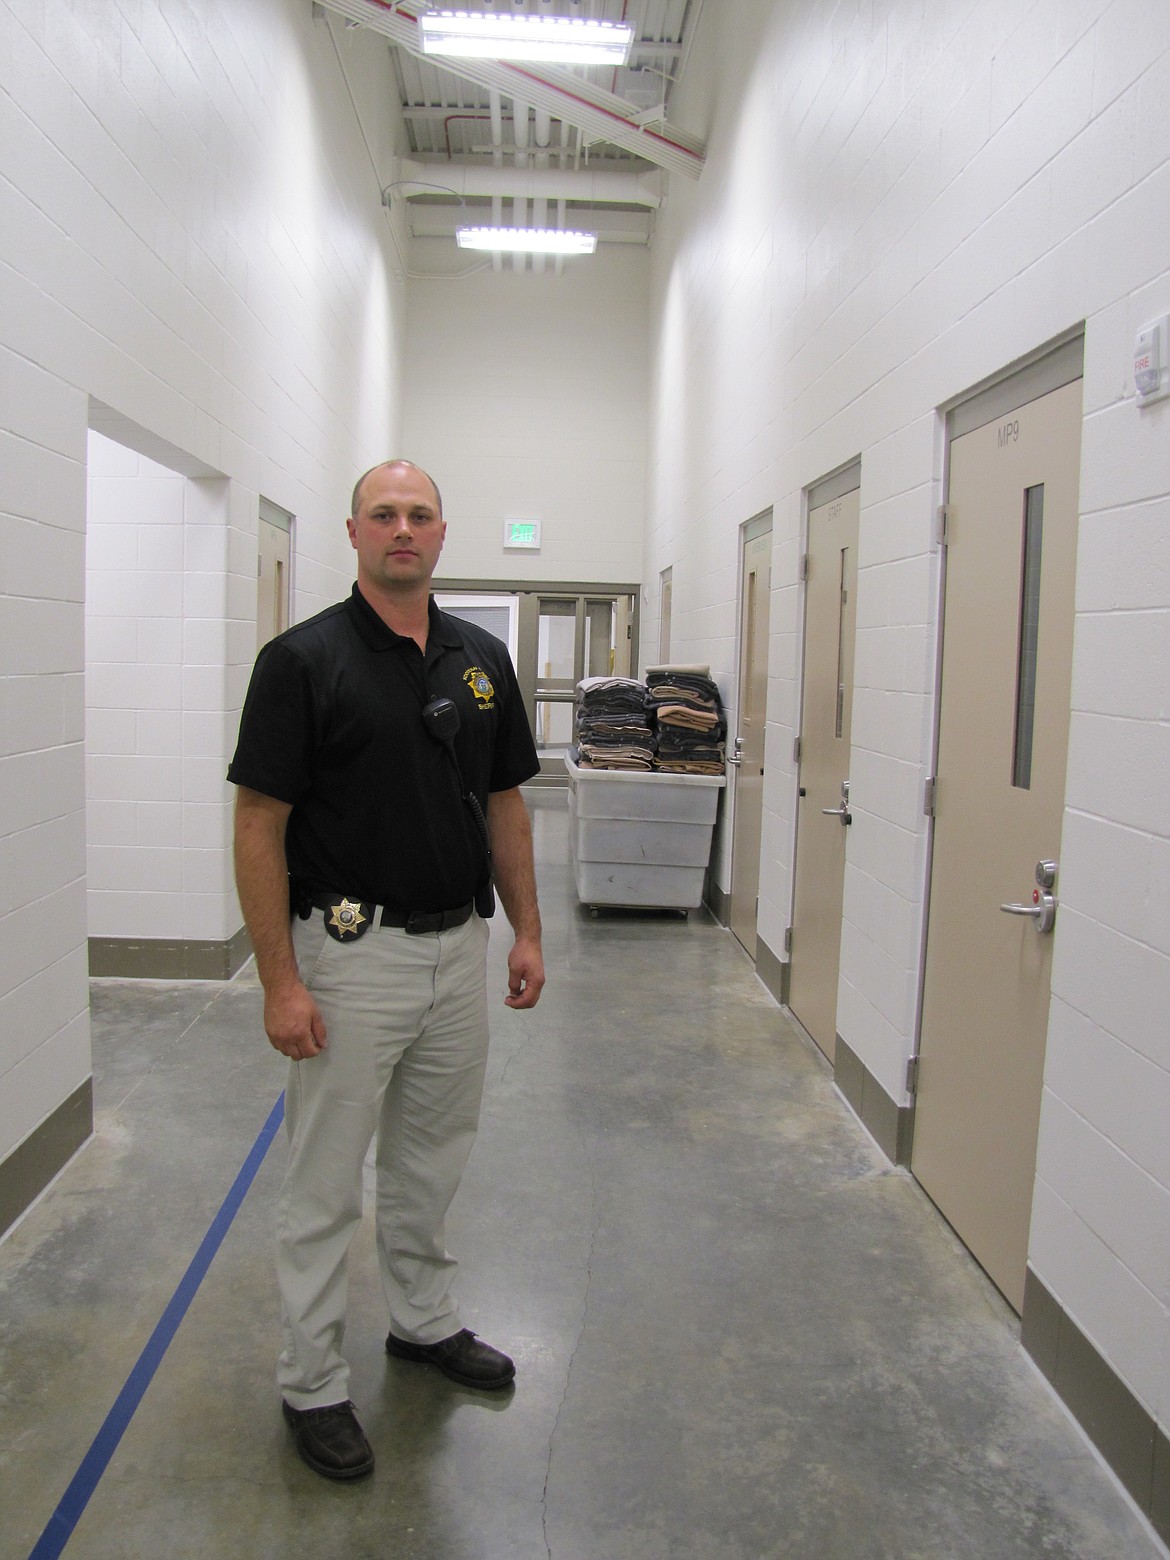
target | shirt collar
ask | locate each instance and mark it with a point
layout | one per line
(377, 635)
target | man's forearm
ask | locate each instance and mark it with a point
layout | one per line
(262, 884)
(515, 873)
(292, 1019)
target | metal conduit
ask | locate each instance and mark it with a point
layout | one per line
(496, 111)
(519, 202)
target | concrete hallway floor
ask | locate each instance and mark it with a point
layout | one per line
(740, 1333)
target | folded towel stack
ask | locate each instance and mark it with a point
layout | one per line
(688, 718)
(612, 724)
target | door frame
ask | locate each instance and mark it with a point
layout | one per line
(1050, 367)
(759, 526)
(272, 515)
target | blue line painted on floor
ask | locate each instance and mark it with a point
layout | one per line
(75, 1499)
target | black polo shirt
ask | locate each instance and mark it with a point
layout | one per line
(332, 724)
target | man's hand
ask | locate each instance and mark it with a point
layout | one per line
(511, 836)
(293, 1021)
(525, 973)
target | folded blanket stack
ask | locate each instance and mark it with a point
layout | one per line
(688, 718)
(612, 724)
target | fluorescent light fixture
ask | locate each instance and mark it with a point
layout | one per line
(566, 40)
(528, 241)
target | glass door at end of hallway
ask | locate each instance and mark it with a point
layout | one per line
(564, 638)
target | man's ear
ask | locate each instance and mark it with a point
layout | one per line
(351, 530)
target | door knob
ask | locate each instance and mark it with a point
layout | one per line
(736, 757)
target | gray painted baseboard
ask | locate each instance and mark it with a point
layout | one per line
(1128, 1437)
(33, 1164)
(161, 958)
(891, 1125)
(773, 971)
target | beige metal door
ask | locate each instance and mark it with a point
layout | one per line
(822, 807)
(272, 584)
(747, 757)
(1002, 747)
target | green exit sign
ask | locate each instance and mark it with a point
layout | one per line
(522, 533)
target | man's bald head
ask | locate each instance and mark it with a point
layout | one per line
(356, 499)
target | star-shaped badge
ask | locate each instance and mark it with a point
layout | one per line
(345, 919)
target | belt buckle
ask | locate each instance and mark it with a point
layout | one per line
(419, 923)
(349, 919)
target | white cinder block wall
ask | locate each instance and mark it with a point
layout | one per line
(901, 200)
(195, 259)
(527, 399)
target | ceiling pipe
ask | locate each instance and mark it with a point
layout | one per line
(520, 203)
(496, 113)
(579, 184)
(559, 261)
(542, 135)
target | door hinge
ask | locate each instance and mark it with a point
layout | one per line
(942, 516)
(928, 798)
(804, 566)
(912, 1075)
(787, 939)
(796, 750)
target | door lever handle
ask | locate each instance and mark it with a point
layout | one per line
(1043, 912)
(841, 812)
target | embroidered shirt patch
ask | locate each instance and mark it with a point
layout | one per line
(481, 686)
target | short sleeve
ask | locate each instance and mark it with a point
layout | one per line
(515, 759)
(278, 727)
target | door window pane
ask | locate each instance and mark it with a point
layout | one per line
(556, 642)
(1029, 636)
(554, 728)
(600, 619)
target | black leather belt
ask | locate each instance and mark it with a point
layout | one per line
(347, 918)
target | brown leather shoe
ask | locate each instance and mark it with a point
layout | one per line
(463, 1357)
(330, 1440)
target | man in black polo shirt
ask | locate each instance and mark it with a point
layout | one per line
(381, 749)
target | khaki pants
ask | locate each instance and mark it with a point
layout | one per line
(406, 1018)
